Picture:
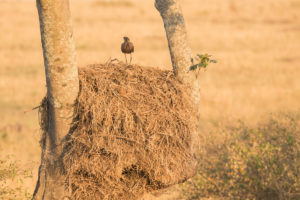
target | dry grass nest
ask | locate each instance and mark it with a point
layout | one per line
(131, 132)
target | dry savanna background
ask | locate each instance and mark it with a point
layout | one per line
(250, 99)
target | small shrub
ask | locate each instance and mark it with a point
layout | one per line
(251, 163)
(202, 61)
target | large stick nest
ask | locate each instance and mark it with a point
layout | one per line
(131, 133)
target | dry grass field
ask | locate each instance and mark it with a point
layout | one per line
(256, 44)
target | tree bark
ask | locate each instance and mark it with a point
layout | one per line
(180, 51)
(62, 91)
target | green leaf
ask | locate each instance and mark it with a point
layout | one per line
(203, 61)
(193, 67)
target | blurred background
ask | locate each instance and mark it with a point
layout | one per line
(256, 44)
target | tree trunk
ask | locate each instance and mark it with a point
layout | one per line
(62, 91)
(180, 51)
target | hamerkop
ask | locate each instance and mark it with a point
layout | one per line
(127, 48)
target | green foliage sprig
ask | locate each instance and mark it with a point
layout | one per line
(202, 61)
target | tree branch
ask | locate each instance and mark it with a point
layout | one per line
(180, 51)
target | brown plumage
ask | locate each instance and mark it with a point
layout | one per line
(127, 48)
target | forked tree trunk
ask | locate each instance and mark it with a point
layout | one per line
(62, 91)
(63, 86)
(180, 51)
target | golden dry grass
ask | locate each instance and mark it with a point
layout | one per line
(256, 43)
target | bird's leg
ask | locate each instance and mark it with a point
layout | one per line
(130, 58)
(125, 57)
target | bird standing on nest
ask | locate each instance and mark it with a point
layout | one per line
(127, 48)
